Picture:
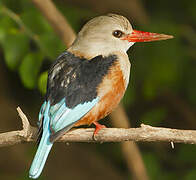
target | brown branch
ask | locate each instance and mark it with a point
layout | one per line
(145, 133)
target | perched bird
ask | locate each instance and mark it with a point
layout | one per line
(87, 81)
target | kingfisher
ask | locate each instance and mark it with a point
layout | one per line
(87, 81)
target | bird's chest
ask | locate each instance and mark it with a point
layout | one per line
(110, 91)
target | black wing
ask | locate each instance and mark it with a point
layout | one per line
(76, 79)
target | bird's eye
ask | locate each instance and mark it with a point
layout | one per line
(117, 34)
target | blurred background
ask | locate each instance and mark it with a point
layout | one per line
(162, 89)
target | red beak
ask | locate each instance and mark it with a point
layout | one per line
(141, 36)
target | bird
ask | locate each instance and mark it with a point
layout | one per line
(87, 81)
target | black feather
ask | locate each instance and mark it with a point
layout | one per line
(39, 132)
(76, 79)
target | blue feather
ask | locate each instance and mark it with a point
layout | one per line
(44, 147)
(69, 116)
(56, 117)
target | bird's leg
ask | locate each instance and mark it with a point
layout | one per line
(98, 127)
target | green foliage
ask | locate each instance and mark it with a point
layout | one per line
(29, 69)
(53, 44)
(43, 82)
(18, 34)
(37, 24)
(7, 26)
(13, 41)
(14, 53)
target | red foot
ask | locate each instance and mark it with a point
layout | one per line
(97, 128)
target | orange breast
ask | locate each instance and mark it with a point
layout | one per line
(111, 90)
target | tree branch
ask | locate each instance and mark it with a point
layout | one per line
(145, 133)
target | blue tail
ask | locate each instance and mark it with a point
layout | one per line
(44, 148)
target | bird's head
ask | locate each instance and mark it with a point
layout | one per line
(110, 33)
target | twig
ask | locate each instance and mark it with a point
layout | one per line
(16, 137)
(145, 133)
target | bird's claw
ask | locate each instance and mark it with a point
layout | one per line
(98, 127)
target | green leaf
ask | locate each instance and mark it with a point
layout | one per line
(7, 26)
(35, 21)
(2, 35)
(53, 44)
(42, 83)
(29, 69)
(15, 47)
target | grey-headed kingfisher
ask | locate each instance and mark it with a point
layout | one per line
(87, 81)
